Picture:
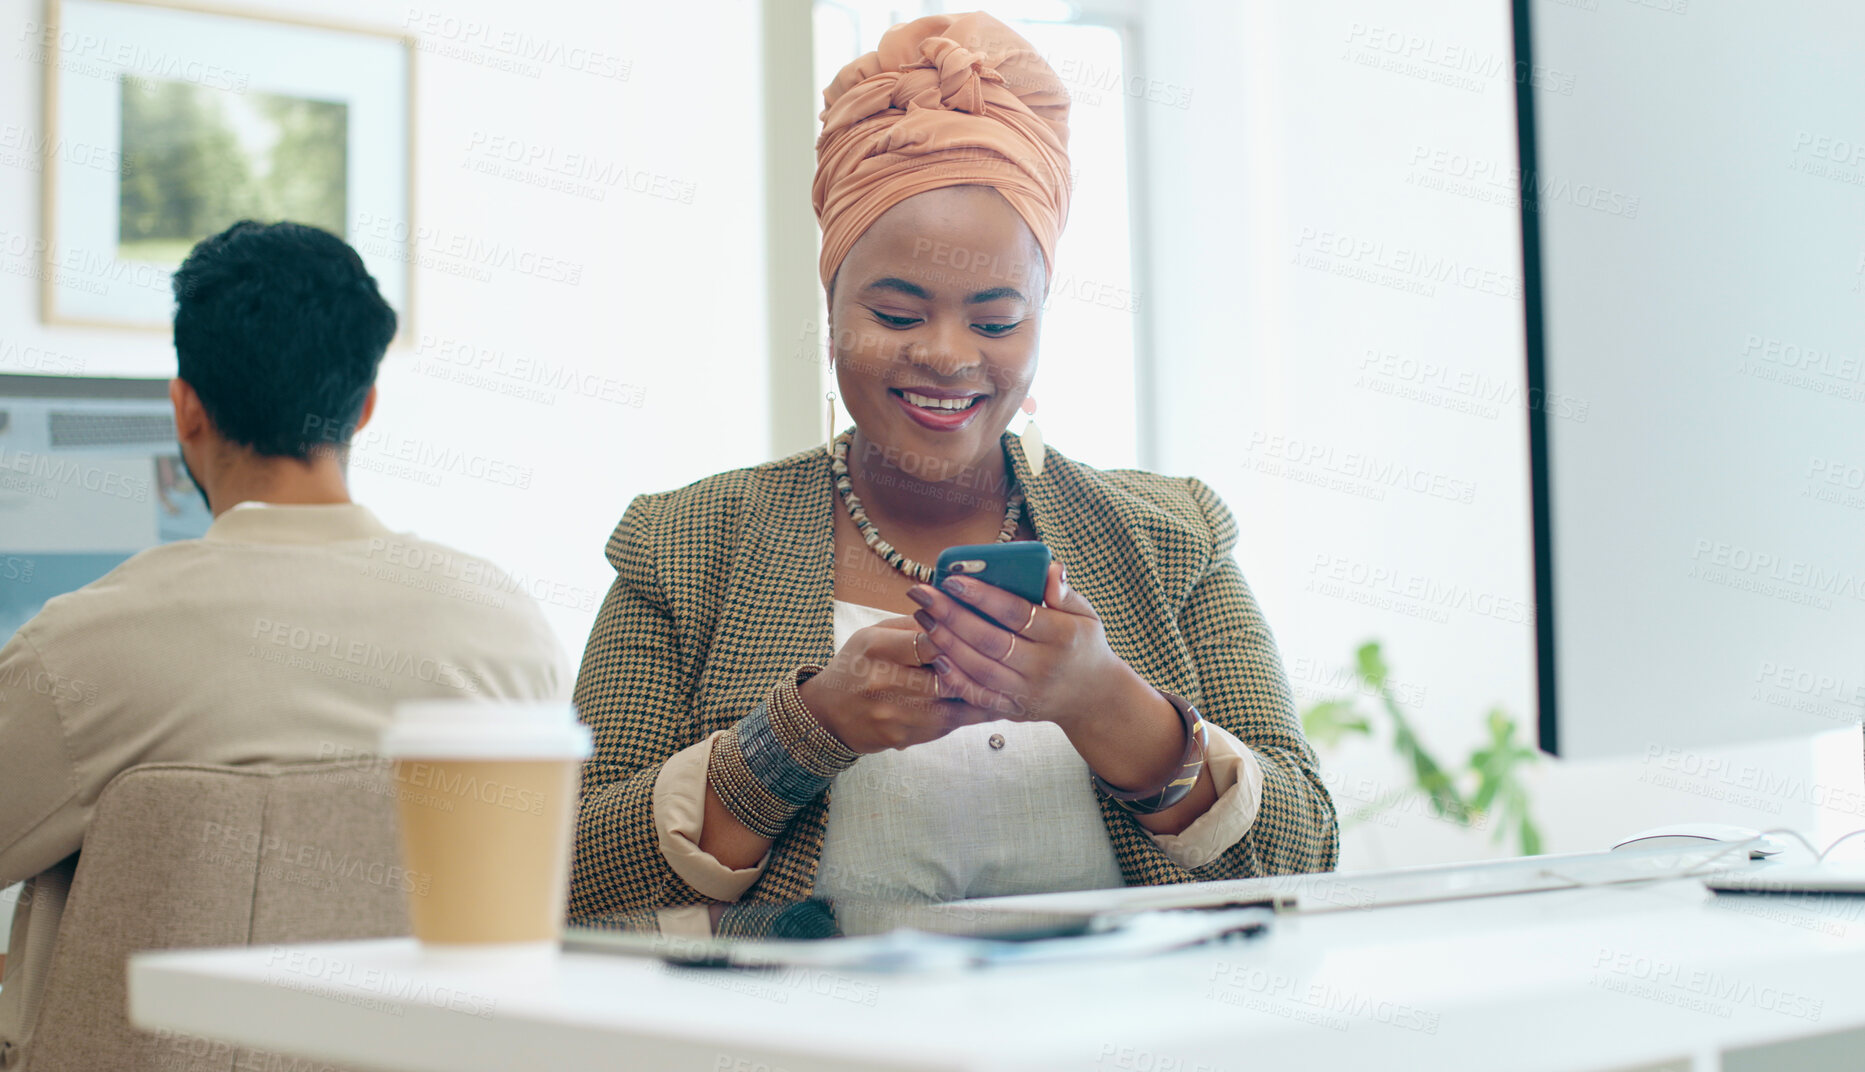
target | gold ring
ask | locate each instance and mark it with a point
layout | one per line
(1032, 621)
(1012, 651)
(916, 648)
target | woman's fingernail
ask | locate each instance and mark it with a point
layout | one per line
(954, 585)
(941, 665)
(926, 620)
(1064, 579)
(920, 594)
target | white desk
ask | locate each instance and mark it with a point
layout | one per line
(1661, 975)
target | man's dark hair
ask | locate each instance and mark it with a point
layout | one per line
(279, 328)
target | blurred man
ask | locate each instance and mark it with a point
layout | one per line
(290, 630)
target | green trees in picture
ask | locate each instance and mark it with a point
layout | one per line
(198, 159)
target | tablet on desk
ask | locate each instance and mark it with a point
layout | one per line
(1799, 878)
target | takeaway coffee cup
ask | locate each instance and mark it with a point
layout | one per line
(486, 793)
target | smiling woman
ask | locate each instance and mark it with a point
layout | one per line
(967, 327)
(760, 690)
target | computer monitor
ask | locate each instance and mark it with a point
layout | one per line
(1693, 227)
(89, 475)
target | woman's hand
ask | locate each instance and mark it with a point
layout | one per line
(1050, 663)
(875, 694)
(1053, 664)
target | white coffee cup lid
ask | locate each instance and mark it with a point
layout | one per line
(481, 729)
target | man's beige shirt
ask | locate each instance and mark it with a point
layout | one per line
(286, 633)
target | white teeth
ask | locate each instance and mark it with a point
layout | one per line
(924, 402)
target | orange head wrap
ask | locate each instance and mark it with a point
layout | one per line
(947, 100)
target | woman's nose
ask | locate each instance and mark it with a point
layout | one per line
(945, 349)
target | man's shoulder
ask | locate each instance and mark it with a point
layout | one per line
(132, 574)
(395, 568)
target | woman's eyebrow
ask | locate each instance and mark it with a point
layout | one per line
(911, 290)
(994, 294)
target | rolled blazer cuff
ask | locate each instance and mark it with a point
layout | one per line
(1238, 776)
(680, 813)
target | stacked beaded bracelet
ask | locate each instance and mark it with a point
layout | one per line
(776, 759)
(1148, 801)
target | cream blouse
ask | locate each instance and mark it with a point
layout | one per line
(996, 808)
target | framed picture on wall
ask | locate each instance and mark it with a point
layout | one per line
(166, 123)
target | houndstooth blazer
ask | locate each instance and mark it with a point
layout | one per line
(724, 585)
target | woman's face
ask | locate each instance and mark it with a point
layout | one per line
(934, 315)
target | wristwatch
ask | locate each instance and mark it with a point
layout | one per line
(1148, 801)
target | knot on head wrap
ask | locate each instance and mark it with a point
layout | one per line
(947, 100)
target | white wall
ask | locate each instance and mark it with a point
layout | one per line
(1725, 358)
(670, 297)
(1336, 294)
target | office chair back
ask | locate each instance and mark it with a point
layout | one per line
(190, 855)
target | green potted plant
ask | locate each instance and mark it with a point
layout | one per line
(1487, 789)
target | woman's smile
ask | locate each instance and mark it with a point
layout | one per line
(939, 409)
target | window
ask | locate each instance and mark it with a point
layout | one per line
(1086, 384)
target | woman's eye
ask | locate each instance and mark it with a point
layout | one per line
(896, 321)
(997, 329)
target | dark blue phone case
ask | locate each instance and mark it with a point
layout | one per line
(1020, 568)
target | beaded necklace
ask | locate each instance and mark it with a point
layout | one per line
(1013, 510)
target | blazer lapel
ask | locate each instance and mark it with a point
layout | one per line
(1046, 510)
(1108, 547)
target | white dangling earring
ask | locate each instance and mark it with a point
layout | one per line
(1032, 439)
(828, 442)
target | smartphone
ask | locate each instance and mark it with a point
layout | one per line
(1020, 568)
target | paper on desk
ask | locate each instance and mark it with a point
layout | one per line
(910, 950)
(1141, 934)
